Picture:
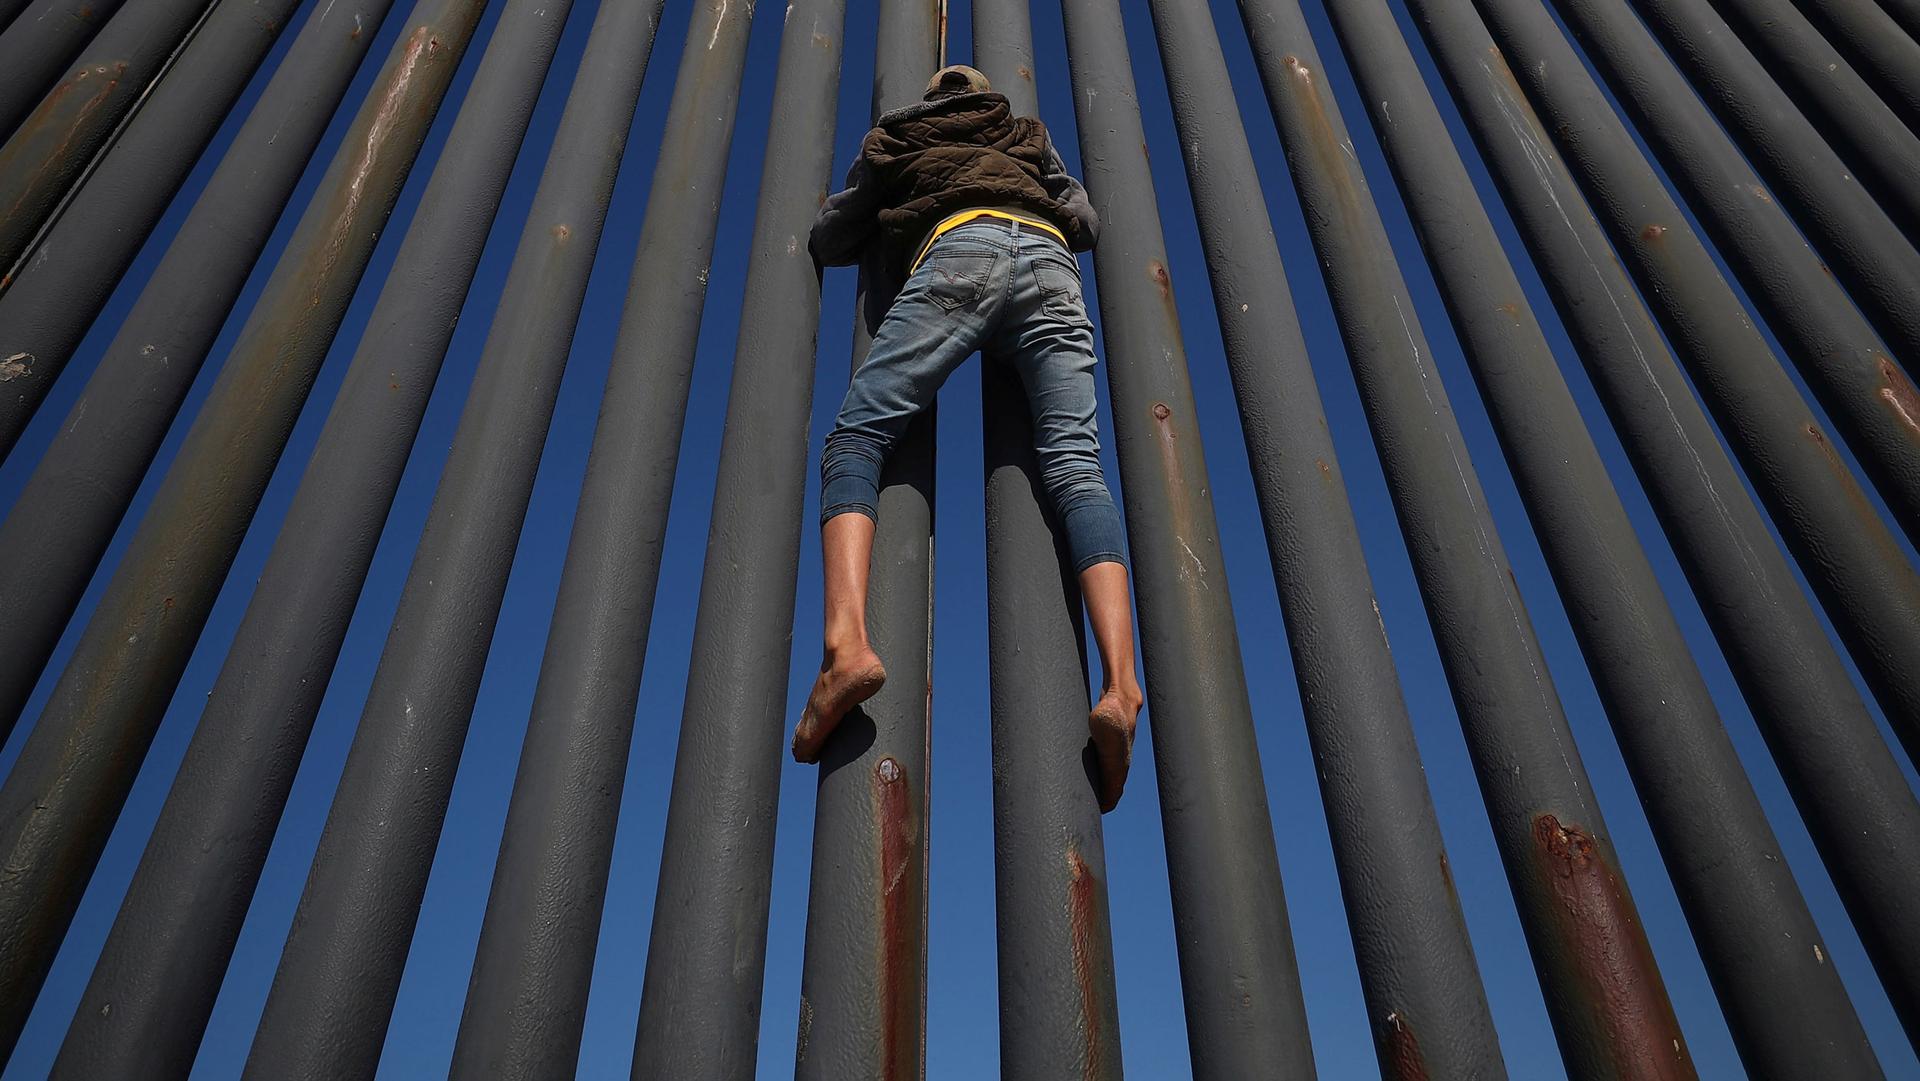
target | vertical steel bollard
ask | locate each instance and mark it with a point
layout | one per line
(1245, 1017)
(1851, 559)
(1843, 777)
(1425, 1004)
(154, 986)
(528, 995)
(328, 1011)
(1603, 989)
(43, 157)
(65, 517)
(1789, 1012)
(59, 803)
(863, 984)
(1059, 1016)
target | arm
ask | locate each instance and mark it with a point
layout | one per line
(847, 219)
(1072, 197)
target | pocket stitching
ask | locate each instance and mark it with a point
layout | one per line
(977, 281)
(1069, 300)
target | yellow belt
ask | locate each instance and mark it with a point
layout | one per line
(954, 221)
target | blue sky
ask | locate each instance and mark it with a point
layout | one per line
(961, 1003)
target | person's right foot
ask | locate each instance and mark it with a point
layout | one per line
(844, 683)
(1111, 724)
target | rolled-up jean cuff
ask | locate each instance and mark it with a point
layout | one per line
(831, 511)
(849, 483)
(1094, 533)
(1094, 559)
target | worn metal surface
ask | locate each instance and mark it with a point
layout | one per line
(1884, 54)
(67, 276)
(528, 995)
(1417, 966)
(1856, 568)
(1788, 1010)
(36, 48)
(1844, 362)
(1059, 1015)
(76, 119)
(1843, 777)
(154, 986)
(1868, 135)
(864, 977)
(1517, 734)
(12, 9)
(1244, 1013)
(60, 525)
(364, 891)
(1840, 355)
(1865, 250)
(1905, 13)
(66, 789)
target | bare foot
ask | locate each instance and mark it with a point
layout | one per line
(844, 683)
(1112, 723)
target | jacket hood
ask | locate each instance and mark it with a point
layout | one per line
(953, 103)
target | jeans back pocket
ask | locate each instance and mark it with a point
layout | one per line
(954, 279)
(1060, 291)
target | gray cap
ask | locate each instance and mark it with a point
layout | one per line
(956, 79)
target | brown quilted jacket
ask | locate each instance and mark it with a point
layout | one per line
(929, 160)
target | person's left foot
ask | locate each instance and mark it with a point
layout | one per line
(1111, 724)
(846, 680)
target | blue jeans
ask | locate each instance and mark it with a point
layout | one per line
(1013, 293)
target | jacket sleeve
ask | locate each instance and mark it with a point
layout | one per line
(1072, 197)
(847, 219)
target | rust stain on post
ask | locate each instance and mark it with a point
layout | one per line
(900, 922)
(1400, 1055)
(1334, 153)
(1158, 272)
(407, 100)
(1600, 939)
(58, 132)
(1180, 495)
(1843, 478)
(1899, 396)
(1090, 963)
